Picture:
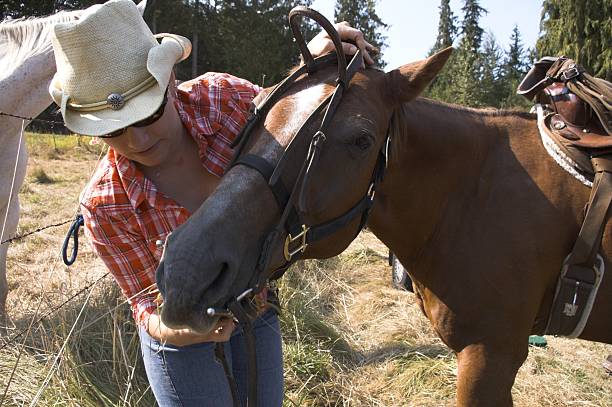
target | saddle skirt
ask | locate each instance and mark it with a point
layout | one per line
(572, 161)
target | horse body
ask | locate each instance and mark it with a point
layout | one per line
(28, 66)
(482, 219)
(471, 204)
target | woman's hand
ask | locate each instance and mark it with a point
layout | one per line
(322, 44)
(183, 337)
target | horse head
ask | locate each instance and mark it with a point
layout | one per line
(215, 255)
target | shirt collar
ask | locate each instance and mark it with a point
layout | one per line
(136, 186)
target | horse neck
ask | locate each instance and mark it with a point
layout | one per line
(436, 158)
(27, 54)
(25, 93)
(29, 62)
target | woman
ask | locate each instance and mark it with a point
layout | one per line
(169, 147)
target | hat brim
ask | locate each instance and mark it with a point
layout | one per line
(103, 122)
(161, 59)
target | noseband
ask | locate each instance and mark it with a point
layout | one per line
(298, 234)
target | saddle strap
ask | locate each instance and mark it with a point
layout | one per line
(589, 239)
(582, 270)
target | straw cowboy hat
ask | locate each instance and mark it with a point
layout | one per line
(111, 70)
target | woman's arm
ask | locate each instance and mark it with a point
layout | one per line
(322, 44)
(183, 337)
(127, 256)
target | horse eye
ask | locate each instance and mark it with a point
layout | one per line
(363, 142)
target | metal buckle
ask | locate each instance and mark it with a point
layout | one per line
(291, 239)
(570, 73)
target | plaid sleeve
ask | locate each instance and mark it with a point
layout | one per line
(216, 107)
(126, 255)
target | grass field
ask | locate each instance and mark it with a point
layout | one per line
(350, 339)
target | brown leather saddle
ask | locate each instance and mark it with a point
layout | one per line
(579, 121)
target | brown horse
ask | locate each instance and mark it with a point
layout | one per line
(471, 204)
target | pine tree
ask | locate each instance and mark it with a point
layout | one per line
(467, 73)
(492, 91)
(514, 68)
(252, 39)
(470, 28)
(515, 64)
(441, 87)
(447, 28)
(249, 39)
(580, 30)
(362, 15)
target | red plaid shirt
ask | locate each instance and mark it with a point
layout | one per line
(123, 211)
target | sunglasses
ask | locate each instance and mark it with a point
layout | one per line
(144, 122)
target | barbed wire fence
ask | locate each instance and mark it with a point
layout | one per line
(37, 230)
(36, 319)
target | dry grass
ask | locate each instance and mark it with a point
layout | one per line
(350, 339)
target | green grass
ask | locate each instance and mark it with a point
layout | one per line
(57, 147)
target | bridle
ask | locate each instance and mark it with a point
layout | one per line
(298, 234)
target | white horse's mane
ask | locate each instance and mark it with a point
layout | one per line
(23, 38)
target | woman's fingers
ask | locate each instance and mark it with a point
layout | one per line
(349, 49)
(352, 40)
(348, 33)
(223, 330)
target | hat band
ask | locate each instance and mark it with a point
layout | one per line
(115, 100)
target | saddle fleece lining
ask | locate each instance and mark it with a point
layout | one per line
(555, 152)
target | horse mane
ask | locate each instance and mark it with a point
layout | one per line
(482, 111)
(403, 113)
(24, 38)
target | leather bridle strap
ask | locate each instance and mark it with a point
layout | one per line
(251, 348)
(266, 169)
(220, 358)
(309, 62)
(280, 192)
(274, 96)
(318, 232)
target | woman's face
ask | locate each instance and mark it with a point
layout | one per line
(151, 145)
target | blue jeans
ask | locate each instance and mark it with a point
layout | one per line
(190, 376)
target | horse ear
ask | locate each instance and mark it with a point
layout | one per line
(142, 6)
(408, 81)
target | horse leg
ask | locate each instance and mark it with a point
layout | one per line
(3, 288)
(486, 374)
(9, 230)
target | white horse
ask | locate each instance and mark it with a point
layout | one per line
(27, 65)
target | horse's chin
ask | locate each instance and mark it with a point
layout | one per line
(200, 323)
(205, 324)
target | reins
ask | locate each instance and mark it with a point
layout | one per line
(298, 235)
